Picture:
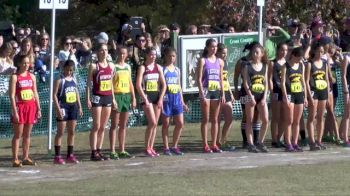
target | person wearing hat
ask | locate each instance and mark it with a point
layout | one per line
(293, 26)
(174, 27)
(275, 36)
(345, 36)
(102, 38)
(161, 40)
(316, 28)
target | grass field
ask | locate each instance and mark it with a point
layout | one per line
(228, 173)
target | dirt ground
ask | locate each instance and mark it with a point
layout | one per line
(192, 161)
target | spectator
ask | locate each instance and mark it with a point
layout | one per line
(174, 27)
(39, 65)
(293, 26)
(44, 45)
(67, 52)
(316, 28)
(6, 61)
(160, 41)
(230, 29)
(345, 36)
(15, 48)
(125, 37)
(204, 29)
(84, 52)
(20, 35)
(275, 36)
(26, 48)
(102, 38)
(191, 30)
(149, 40)
(139, 52)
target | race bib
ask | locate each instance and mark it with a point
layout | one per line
(95, 99)
(226, 86)
(213, 85)
(27, 94)
(71, 97)
(106, 85)
(296, 87)
(152, 85)
(258, 88)
(173, 88)
(321, 84)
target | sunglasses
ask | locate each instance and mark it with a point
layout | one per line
(142, 40)
(20, 35)
(68, 43)
(45, 39)
(36, 51)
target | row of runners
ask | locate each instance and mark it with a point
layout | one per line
(294, 83)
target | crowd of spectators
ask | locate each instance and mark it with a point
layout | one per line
(36, 44)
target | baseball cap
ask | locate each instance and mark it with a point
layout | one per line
(126, 26)
(293, 23)
(102, 37)
(316, 23)
(174, 26)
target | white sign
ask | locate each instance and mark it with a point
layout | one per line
(260, 2)
(48, 4)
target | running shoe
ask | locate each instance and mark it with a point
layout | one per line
(245, 145)
(252, 148)
(58, 160)
(322, 146)
(105, 158)
(346, 144)
(149, 153)
(16, 163)
(278, 145)
(176, 151)
(167, 152)
(314, 147)
(216, 149)
(96, 157)
(113, 156)
(339, 142)
(155, 153)
(289, 148)
(29, 162)
(72, 159)
(125, 155)
(206, 149)
(262, 147)
(297, 148)
(227, 147)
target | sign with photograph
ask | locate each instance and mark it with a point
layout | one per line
(190, 49)
(189, 52)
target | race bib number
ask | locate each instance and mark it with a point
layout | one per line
(258, 88)
(106, 85)
(27, 95)
(123, 84)
(213, 85)
(296, 87)
(96, 99)
(321, 84)
(173, 88)
(226, 86)
(152, 85)
(71, 97)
